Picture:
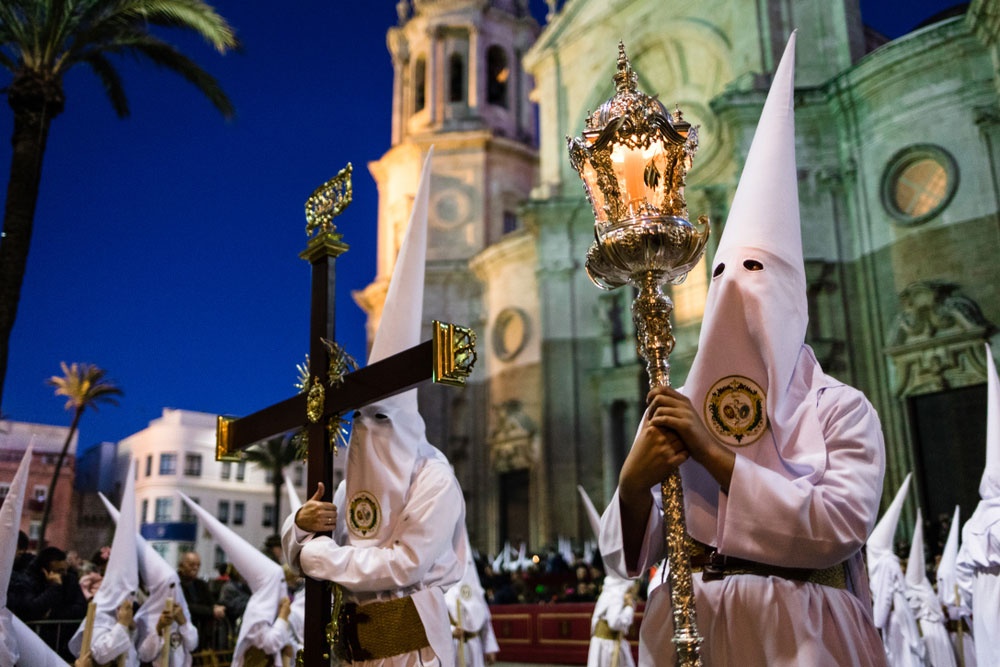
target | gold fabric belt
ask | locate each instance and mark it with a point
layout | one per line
(714, 566)
(604, 631)
(379, 630)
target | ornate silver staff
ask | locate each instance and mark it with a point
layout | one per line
(633, 158)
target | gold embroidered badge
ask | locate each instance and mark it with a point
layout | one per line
(736, 411)
(466, 592)
(363, 514)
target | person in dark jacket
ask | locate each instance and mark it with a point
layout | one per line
(205, 613)
(47, 590)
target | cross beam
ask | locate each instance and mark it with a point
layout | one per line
(447, 358)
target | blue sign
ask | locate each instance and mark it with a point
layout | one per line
(169, 531)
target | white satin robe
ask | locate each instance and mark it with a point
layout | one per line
(611, 607)
(775, 513)
(150, 646)
(421, 559)
(978, 572)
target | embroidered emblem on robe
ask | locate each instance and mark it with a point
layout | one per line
(364, 514)
(736, 411)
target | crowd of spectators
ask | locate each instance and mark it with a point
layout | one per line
(49, 591)
(544, 578)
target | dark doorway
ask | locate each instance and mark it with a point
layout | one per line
(514, 506)
(950, 436)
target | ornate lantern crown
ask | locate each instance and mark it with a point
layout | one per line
(634, 155)
(633, 158)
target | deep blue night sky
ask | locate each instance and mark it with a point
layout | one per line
(166, 245)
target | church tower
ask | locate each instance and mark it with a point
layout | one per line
(459, 86)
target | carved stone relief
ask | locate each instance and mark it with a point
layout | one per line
(937, 340)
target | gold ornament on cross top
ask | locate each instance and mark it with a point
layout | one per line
(633, 158)
(328, 201)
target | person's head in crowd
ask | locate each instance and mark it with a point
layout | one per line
(50, 562)
(272, 548)
(100, 559)
(189, 565)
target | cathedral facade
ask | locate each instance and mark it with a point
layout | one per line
(899, 195)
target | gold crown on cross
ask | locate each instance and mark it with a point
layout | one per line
(328, 201)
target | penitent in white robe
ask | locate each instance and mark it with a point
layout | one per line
(419, 560)
(893, 616)
(110, 640)
(930, 617)
(978, 574)
(814, 518)
(183, 641)
(611, 607)
(469, 611)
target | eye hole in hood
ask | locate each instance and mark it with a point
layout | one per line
(718, 270)
(752, 265)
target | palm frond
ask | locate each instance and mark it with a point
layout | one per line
(16, 27)
(84, 385)
(188, 14)
(168, 57)
(111, 81)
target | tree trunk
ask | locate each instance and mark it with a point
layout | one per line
(55, 476)
(35, 101)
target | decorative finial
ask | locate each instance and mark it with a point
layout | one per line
(625, 79)
(328, 201)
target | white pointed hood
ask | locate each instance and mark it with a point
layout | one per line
(161, 581)
(264, 577)
(10, 524)
(593, 518)
(613, 585)
(294, 502)
(10, 521)
(881, 540)
(916, 572)
(752, 336)
(946, 578)
(121, 574)
(33, 649)
(981, 533)
(389, 436)
(989, 485)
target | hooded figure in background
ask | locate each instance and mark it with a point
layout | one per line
(265, 636)
(978, 565)
(893, 616)
(958, 615)
(19, 644)
(925, 604)
(614, 610)
(398, 520)
(471, 624)
(164, 616)
(297, 617)
(113, 631)
(781, 464)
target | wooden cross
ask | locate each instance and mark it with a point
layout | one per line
(447, 358)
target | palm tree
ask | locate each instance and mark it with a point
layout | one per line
(40, 41)
(84, 386)
(275, 455)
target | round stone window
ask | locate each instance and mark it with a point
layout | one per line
(919, 182)
(510, 333)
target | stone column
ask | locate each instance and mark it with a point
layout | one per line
(433, 76)
(473, 65)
